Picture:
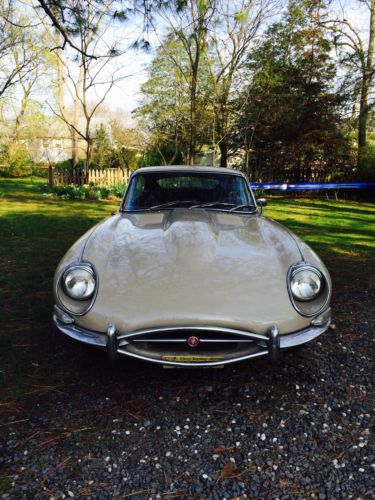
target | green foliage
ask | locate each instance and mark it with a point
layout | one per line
(16, 156)
(37, 171)
(292, 118)
(89, 192)
(242, 16)
(63, 166)
(165, 107)
(367, 167)
(120, 152)
(102, 150)
(123, 158)
(67, 165)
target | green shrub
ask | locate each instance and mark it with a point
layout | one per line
(17, 157)
(367, 168)
(259, 193)
(20, 171)
(63, 166)
(67, 165)
(89, 191)
(37, 171)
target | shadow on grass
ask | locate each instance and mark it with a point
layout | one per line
(333, 239)
(331, 209)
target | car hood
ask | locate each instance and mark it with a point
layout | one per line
(192, 267)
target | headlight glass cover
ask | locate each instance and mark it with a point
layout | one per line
(306, 284)
(79, 282)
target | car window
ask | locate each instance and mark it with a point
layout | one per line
(151, 189)
(187, 181)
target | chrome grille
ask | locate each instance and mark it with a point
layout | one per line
(180, 335)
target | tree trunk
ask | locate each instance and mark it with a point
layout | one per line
(367, 78)
(362, 123)
(17, 125)
(223, 154)
(74, 147)
(77, 102)
(87, 160)
(223, 129)
(88, 154)
(193, 118)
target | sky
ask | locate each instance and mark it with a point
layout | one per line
(127, 94)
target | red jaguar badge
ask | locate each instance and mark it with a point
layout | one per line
(193, 341)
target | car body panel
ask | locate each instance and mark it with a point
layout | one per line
(180, 267)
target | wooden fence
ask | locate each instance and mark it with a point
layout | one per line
(105, 177)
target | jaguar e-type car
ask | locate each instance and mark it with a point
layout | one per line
(189, 272)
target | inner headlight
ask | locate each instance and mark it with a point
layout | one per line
(306, 284)
(79, 282)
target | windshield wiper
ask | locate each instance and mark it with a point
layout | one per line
(171, 203)
(212, 204)
(245, 205)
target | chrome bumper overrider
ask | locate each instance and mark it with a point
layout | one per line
(168, 346)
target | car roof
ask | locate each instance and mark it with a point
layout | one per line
(190, 169)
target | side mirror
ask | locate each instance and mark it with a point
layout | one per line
(262, 202)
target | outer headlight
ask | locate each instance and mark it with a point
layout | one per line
(79, 282)
(306, 283)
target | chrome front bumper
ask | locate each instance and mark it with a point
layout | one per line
(168, 346)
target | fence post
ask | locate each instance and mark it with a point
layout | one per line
(50, 176)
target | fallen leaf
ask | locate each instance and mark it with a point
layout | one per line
(229, 470)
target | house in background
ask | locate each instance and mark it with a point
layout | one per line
(52, 149)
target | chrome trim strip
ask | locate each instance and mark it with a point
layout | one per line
(112, 342)
(61, 314)
(273, 343)
(201, 341)
(303, 336)
(197, 364)
(100, 339)
(322, 318)
(81, 334)
(212, 329)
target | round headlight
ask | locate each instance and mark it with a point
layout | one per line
(79, 282)
(306, 284)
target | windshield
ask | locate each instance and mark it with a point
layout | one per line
(167, 190)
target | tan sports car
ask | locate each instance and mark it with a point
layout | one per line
(189, 272)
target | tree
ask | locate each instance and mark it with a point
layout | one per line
(165, 108)
(87, 79)
(102, 149)
(289, 115)
(189, 22)
(234, 28)
(14, 38)
(67, 18)
(129, 145)
(357, 53)
(214, 35)
(33, 44)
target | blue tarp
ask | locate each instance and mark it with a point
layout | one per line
(311, 186)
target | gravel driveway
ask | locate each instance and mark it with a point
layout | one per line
(300, 429)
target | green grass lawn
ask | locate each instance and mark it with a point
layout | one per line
(36, 229)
